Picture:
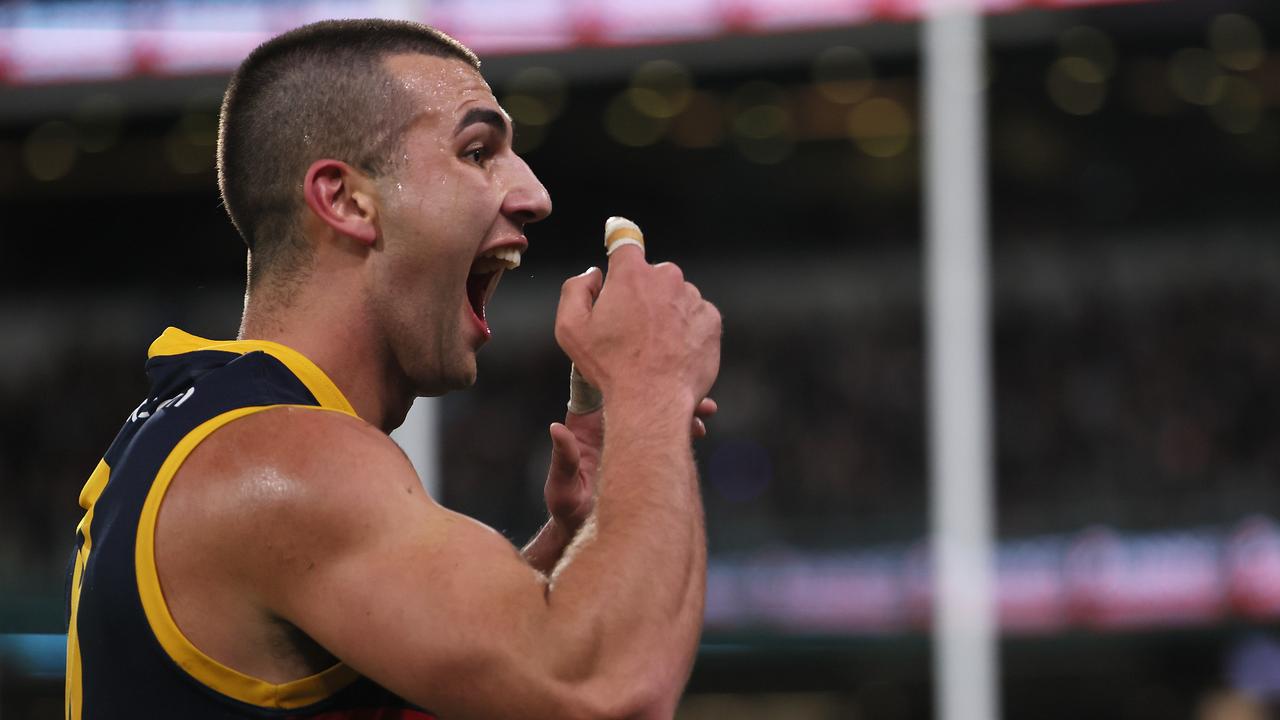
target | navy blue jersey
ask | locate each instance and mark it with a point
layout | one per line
(126, 657)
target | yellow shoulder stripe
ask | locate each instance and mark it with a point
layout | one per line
(176, 342)
(210, 672)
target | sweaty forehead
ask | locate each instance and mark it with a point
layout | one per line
(439, 87)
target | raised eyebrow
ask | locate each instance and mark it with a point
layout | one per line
(490, 117)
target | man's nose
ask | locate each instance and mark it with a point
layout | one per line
(527, 200)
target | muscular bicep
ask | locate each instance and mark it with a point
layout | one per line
(434, 612)
(432, 605)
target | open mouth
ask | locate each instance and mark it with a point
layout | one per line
(486, 271)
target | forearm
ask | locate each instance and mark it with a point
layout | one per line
(633, 583)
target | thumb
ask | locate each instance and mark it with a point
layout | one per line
(577, 295)
(565, 456)
(626, 256)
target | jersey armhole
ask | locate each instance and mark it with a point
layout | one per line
(181, 651)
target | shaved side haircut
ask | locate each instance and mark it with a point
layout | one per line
(318, 91)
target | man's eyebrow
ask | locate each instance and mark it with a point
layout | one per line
(487, 116)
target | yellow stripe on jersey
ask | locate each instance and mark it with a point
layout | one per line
(176, 342)
(88, 497)
(210, 672)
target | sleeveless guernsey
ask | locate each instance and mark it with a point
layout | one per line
(126, 657)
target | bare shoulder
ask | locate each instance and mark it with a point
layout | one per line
(317, 520)
(299, 439)
(273, 478)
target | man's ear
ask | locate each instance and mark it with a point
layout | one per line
(340, 196)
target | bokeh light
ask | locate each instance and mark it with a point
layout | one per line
(527, 110)
(1193, 75)
(540, 91)
(661, 89)
(1077, 85)
(880, 127)
(50, 150)
(1077, 80)
(843, 74)
(535, 97)
(1091, 45)
(701, 125)
(530, 115)
(762, 122)
(1238, 108)
(1237, 42)
(628, 126)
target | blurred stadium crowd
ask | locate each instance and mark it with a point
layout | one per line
(1133, 392)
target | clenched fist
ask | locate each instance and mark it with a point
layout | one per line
(644, 334)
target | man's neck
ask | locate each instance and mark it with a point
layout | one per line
(346, 349)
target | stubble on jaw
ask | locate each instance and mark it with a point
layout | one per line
(428, 349)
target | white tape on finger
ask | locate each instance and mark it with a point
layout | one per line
(620, 242)
(583, 396)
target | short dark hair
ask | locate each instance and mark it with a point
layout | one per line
(318, 91)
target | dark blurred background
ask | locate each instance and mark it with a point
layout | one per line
(1134, 160)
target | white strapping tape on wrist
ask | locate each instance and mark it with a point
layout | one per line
(583, 396)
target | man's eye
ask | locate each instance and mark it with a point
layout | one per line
(478, 155)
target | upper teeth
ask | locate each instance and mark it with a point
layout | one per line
(509, 257)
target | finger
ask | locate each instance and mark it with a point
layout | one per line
(699, 429)
(577, 295)
(706, 408)
(620, 232)
(625, 256)
(675, 271)
(588, 428)
(565, 456)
